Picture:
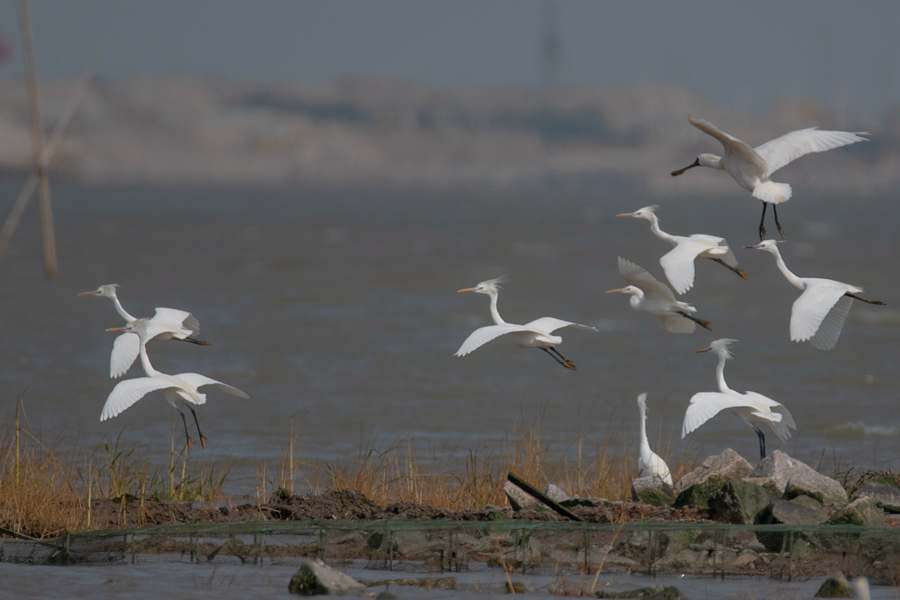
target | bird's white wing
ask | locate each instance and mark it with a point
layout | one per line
(197, 380)
(810, 309)
(793, 145)
(483, 335)
(175, 321)
(830, 329)
(639, 277)
(783, 427)
(678, 264)
(125, 349)
(678, 324)
(704, 406)
(551, 324)
(130, 391)
(731, 143)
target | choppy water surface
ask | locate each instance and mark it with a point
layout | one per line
(340, 308)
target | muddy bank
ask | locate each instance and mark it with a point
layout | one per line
(353, 506)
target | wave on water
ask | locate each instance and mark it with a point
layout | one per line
(865, 429)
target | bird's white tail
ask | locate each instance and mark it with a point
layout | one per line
(773, 193)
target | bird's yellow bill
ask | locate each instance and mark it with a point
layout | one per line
(626, 215)
(614, 291)
(86, 293)
(116, 329)
(466, 290)
(704, 350)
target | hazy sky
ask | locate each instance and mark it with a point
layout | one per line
(740, 53)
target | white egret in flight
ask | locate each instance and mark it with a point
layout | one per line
(655, 297)
(752, 167)
(649, 462)
(536, 334)
(170, 323)
(177, 390)
(678, 263)
(753, 409)
(818, 314)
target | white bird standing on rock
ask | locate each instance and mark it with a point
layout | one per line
(169, 323)
(649, 462)
(178, 390)
(818, 314)
(678, 263)
(536, 334)
(655, 297)
(753, 409)
(752, 167)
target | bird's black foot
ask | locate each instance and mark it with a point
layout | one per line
(701, 322)
(202, 441)
(189, 444)
(196, 341)
(879, 302)
(570, 365)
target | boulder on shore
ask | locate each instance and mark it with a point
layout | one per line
(652, 490)
(793, 478)
(739, 501)
(887, 497)
(315, 578)
(699, 486)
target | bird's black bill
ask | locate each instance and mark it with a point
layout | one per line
(696, 163)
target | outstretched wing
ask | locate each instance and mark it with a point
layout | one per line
(830, 329)
(551, 324)
(787, 420)
(730, 143)
(704, 406)
(175, 321)
(483, 335)
(679, 324)
(128, 392)
(810, 310)
(197, 380)
(793, 145)
(678, 264)
(125, 349)
(639, 277)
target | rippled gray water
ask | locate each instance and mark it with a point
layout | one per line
(340, 307)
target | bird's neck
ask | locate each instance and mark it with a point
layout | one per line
(495, 314)
(712, 161)
(122, 312)
(636, 299)
(145, 361)
(795, 281)
(654, 227)
(645, 444)
(720, 375)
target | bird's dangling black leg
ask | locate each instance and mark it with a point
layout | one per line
(854, 296)
(775, 212)
(194, 340)
(762, 223)
(762, 442)
(187, 435)
(568, 365)
(200, 433)
(735, 269)
(566, 362)
(701, 322)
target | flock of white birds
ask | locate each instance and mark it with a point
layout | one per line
(817, 315)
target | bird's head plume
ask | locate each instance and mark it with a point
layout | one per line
(642, 401)
(489, 286)
(720, 348)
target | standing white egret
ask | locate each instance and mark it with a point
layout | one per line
(678, 263)
(649, 462)
(178, 389)
(655, 297)
(752, 167)
(536, 334)
(818, 314)
(753, 409)
(170, 323)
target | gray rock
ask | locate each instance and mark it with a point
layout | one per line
(885, 496)
(793, 478)
(555, 493)
(739, 501)
(315, 578)
(656, 592)
(722, 467)
(652, 490)
(861, 511)
(809, 502)
(518, 499)
(835, 586)
(783, 512)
